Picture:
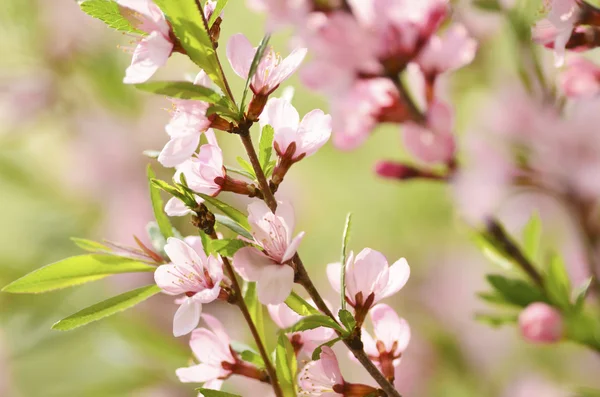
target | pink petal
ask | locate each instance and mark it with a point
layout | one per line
(275, 284)
(399, 273)
(240, 54)
(214, 384)
(366, 272)
(217, 328)
(331, 368)
(196, 243)
(389, 328)
(198, 373)
(292, 247)
(151, 53)
(287, 67)
(369, 344)
(334, 275)
(203, 80)
(176, 207)
(314, 132)
(427, 145)
(285, 212)
(187, 317)
(178, 150)
(208, 295)
(283, 316)
(182, 254)
(257, 210)
(283, 117)
(165, 276)
(250, 263)
(210, 347)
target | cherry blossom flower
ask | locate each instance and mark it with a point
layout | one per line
(306, 341)
(392, 335)
(451, 51)
(541, 323)
(192, 274)
(188, 123)
(281, 12)
(154, 49)
(308, 135)
(214, 354)
(433, 143)
(581, 78)
(204, 172)
(369, 278)
(272, 69)
(324, 378)
(268, 265)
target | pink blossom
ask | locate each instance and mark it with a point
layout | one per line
(451, 51)
(306, 341)
(193, 274)
(433, 143)
(557, 27)
(268, 266)
(309, 135)
(281, 12)
(176, 207)
(321, 377)
(581, 78)
(369, 278)
(212, 350)
(154, 49)
(204, 172)
(541, 323)
(392, 335)
(356, 112)
(188, 123)
(272, 69)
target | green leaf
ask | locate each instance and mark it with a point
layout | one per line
(176, 191)
(185, 90)
(215, 393)
(580, 293)
(255, 308)
(247, 167)
(90, 245)
(232, 225)
(253, 358)
(108, 11)
(345, 239)
(347, 319)
(265, 146)
(557, 282)
(217, 12)
(488, 5)
(228, 210)
(226, 247)
(300, 306)
(286, 366)
(317, 352)
(158, 207)
(260, 51)
(491, 252)
(516, 291)
(532, 233)
(497, 320)
(270, 168)
(107, 308)
(190, 28)
(315, 321)
(243, 173)
(74, 271)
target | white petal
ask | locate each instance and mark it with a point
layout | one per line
(187, 317)
(275, 284)
(249, 262)
(176, 207)
(150, 54)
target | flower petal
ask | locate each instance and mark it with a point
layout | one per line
(399, 274)
(198, 373)
(291, 249)
(287, 67)
(176, 207)
(178, 150)
(187, 317)
(240, 54)
(275, 284)
(284, 118)
(166, 277)
(334, 271)
(151, 53)
(250, 263)
(314, 132)
(182, 254)
(389, 328)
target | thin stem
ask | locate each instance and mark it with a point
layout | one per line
(412, 107)
(302, 275)
(244, 309)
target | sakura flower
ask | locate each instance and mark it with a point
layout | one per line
(581, 78)
(306, 341)
(392, 335)
(188, 123)
(268, 265)
(433, 143)
(308, 135)
(192, 274)
(541, 323)
(369, 278)
(204, 172)
(272, 69)
(154, 49)
(451, 51)
(324, 378)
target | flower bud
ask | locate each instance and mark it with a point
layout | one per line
(541, 323)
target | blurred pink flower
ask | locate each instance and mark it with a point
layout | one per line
(369, 278)
(581, 78)
(281, 12)
(557, 27)
(188, 123)
(272, 69)
(213, 352)
(309, 135)
(306, 341)
(322, 377)
(451, 51)
(268, 266)
(533, 385)
(192, 274)
(541, 323)
(154, 49)
(433, 143)
(204, 173)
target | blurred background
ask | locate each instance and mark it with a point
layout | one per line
(71, 165)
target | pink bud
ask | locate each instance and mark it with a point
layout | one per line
(541, 323)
